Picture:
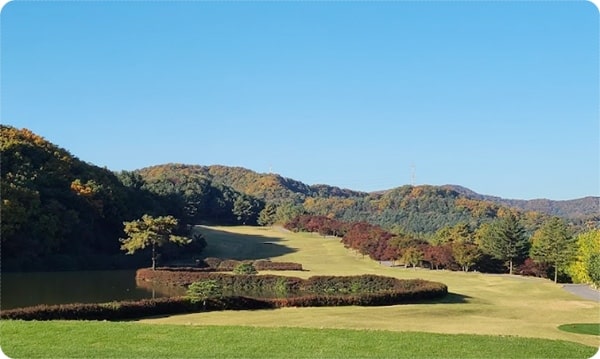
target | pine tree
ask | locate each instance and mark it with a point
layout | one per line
(506, 240)
(553, 244)
(150, 231)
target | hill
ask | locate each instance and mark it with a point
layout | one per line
(59, 212)
(586, 207)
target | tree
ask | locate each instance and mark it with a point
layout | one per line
(245, 208)
(465, 254)
(588, 245)
(594, 270)
(201, 291)
(439, 255)
(266, 217)
(150, 231)
(553, 245)
(505, 240)
(412, 256)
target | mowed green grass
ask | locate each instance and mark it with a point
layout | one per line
(478, 303)
(583, 328)
(61, 339)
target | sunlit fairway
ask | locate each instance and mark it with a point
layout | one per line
(478, 303)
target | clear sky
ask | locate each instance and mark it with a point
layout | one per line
(499, 97)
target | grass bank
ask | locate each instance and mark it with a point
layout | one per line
(60, 339)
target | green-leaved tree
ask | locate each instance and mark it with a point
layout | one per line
(553, 244)
(150, 231)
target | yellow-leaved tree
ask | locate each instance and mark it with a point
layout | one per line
(582, 270)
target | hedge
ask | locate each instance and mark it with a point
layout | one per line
(213, 264)
(365, 290)
(130, 309)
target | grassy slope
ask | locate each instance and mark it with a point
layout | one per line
(479, 303)
(131, 340)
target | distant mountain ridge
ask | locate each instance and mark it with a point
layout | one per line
(573, 208)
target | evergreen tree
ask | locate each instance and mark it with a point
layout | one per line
(553, 245)
(506, 240)
(267, 216)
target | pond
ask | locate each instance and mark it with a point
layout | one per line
(27, 289)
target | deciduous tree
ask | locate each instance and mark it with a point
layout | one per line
(588, 246)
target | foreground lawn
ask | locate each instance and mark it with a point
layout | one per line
(63, 339)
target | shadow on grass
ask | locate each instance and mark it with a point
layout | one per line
(224, 244)
(450, 298)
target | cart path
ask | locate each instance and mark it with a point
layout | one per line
(583, 291)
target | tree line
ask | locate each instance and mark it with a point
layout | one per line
(503, 245)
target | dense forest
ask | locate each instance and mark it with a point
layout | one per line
(59, 212)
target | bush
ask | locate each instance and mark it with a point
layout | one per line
(201, 291)
(245, 268)
(531, 268)
(279, 266)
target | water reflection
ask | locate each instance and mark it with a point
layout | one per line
(27, 289)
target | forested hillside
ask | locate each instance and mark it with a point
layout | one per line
(581, 208)
(59, 212)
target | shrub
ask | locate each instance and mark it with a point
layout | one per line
(280, 266)
(532, 268)
(245, 268)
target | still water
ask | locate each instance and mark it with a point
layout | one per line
(27, 289)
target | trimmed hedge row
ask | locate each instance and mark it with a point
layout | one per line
(130, 309)
(183, 278)
(213, 264)
(261, 264)
(315, 292)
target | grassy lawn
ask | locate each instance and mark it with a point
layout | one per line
(583, 328)
(484, 316)
(62, 339)
(479, 303)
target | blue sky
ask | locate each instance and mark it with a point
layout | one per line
(498, 97)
